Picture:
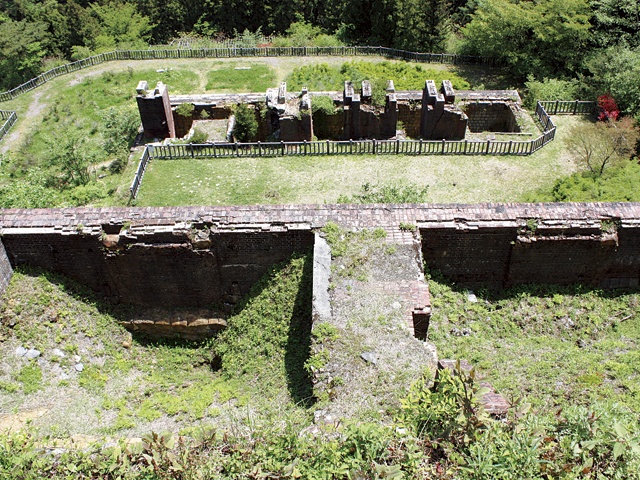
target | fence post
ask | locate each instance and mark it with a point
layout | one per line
(443, 145)
(510, 143)
(259, 149)
(191, 149)
(465, 146)
(575, 107)
(328, 140)
(397, 146)
(488, 145)
(374, 146)
(556, 110)
(282, 144)
(235, 145)
(531, 149)
(215, 155)
(420, 148)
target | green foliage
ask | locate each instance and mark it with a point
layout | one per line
(185, 109)
(602, 145)
(29, 192)
(322, 77)
(69, 156)
(120, 26)
(550, 89)
(618, 184)
(323, 104)
(615, 71)
(387, 194)
(92, 378)
(246, 126)
(407, 227)
(21, 51)
(31, 378)
(269, 332)
(199, 136)
(226, 77)
(119, 128)
(542, 39)
(450, 412)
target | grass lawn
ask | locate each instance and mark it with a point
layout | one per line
(468, 179)
(556, 346)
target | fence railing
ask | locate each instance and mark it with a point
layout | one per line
(142, 167)
(574, 107)
(231, 52)
(349, 147)
(8, 119)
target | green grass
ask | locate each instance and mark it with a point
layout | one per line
(255, 78)
(406, 76)
(557, 346)
(315, 180)
(167, 384)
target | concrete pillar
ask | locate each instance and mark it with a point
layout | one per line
(390, 117)
(366, 92)
(448, 91)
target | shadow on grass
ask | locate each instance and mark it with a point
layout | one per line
(272, 324)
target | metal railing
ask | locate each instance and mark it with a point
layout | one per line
(574, 107)
(8, 119)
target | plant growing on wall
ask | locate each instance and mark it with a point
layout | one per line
(246, 126)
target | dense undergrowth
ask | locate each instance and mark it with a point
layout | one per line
(616, 184)
(572, 352)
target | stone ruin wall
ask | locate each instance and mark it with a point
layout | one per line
(492, 116)
(195, 256)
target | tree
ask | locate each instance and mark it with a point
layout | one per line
(542, 38)
(604, 144)
(21, 51)
(119, 128)
(246, 124)
(615, 22)
(120, 24)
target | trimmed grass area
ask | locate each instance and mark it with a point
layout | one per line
(319, 179)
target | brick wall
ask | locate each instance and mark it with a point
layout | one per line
(6, 272)
(488, 116)
(195, 256)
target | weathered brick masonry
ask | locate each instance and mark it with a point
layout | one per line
(194, 256)
(6, 272)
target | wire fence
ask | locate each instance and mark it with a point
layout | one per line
(348, 147)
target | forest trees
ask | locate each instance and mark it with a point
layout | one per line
(540, 38)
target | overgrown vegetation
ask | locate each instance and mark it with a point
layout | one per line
(405, 76)
(238, 78)
(246, 126)
(387, 194)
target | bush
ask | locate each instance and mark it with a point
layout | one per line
(618, 184)
(387, 194)
(550, 89)
(246, 126)
(323, 104)
(199, 136)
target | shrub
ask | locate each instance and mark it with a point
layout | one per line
(246, 126)
(199, 136)
(550, 89)
(323, 104)
(387, 194)
(185, 109)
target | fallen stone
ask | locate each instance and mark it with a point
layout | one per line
(76, 358)
(32, 353)
(472, 297)
(21, 351)
(58, 353)
(79, 367)
(395, 305)
(370, 357)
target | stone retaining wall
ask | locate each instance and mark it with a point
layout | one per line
(6, 272)
(193, 256)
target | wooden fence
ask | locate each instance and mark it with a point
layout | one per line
(8, 119)
(348, 147)
(575, 107)
(241, 52)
